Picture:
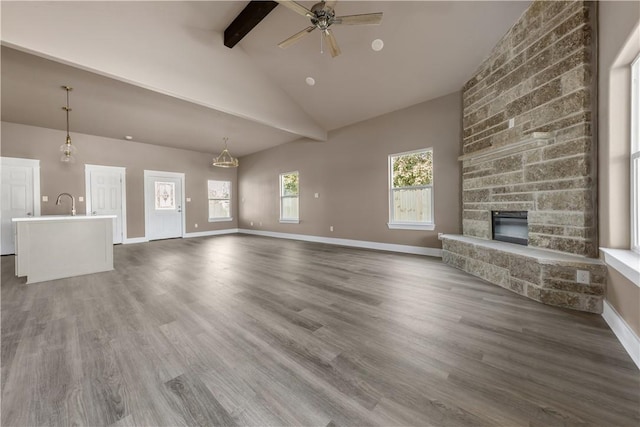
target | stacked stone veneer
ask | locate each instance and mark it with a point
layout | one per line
(538, 274)
(528, 145)
(539, 75)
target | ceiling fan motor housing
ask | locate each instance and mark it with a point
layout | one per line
(324, 16)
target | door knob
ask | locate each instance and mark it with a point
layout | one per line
(28, 213)
(94, 213)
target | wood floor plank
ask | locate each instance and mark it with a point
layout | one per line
(246, 330)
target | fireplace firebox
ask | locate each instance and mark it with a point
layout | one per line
(510, 226)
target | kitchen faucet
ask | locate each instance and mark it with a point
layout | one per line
(73, 202)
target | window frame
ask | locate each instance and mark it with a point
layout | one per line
(634, 156)
(283, 196)
(221, 218)
(410, 225)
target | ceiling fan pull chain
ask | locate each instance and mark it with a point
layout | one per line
(321, 37)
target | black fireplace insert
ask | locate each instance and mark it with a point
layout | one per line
(510, 226)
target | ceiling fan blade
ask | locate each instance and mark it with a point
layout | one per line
(334, 49)
(297, 8)
(294, 38)
(364, 19)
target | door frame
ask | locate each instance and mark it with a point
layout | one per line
(123, 191)
(147, 207)
(34, 164)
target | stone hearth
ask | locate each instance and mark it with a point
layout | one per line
(545, 276)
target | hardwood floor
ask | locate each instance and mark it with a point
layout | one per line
(244, 330)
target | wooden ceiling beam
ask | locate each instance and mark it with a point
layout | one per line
(250, 16)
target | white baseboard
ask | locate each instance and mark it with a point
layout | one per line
(135, 240)
(629, 340)
(210, 233)
(407, 249)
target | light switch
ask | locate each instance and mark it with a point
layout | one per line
(316, 195)
(188, 199)
(81, 199)
(45, 198)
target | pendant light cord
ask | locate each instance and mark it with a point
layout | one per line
(67, 110)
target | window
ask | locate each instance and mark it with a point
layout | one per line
(635, 155)
(219, 200)
(411, 190)
(289, 189)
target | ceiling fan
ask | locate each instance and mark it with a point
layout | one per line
(322, 16)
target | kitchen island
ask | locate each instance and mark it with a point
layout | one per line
(58, 246)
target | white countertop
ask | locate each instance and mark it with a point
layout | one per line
(61, 217)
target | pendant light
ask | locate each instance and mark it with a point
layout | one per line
(68, 151)
(225, 160)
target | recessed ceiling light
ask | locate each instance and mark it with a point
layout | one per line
(128, 137)
(377, 45)
(310, 81)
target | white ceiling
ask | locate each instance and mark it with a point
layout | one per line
(159, 71)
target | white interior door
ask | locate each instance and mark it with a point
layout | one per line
(106, 196)
(20, 196)
(163, 204)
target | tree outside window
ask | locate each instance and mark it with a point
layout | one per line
(219, 200)
(411, 188)
(289, 192)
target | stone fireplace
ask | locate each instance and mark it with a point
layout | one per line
(528, 145)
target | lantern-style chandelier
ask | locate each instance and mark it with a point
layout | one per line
(225, 160)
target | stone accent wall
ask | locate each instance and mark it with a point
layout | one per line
(544, 276)
(540, 76)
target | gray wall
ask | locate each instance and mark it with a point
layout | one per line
(55, 177)
(619, 43)
(349, 173)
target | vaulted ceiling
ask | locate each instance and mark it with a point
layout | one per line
(159, 70)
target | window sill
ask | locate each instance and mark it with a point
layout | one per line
(624, 261)
(410, 226)
(289, 221)
(220, 219)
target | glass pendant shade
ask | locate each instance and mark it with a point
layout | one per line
(225, 159)
(68, 152)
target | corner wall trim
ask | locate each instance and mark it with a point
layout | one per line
(210, 233)
(129, 241)
(629, 340)
(407, 249)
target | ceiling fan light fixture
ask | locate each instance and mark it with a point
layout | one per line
(225, 159)
(68, 150)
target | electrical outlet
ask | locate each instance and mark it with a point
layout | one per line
(251, 223)
(260, 223)
(316, 195)
(512, 122)
(331, 228)
(196, 225)
(582, 276)
(45, 198)
(440, 236)
(188, 199)
(81, 199)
